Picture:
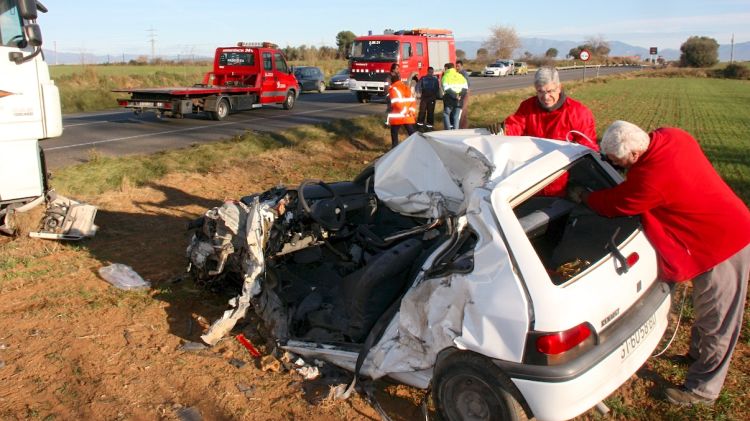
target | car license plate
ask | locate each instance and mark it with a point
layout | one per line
(637, 338)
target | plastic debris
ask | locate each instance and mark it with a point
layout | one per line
(193, 347)
(269, 363)
(189, 414)
(123, 277)
(309, 372)
(237, 363)
(248, 345)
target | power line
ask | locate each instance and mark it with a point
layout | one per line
(152, 39)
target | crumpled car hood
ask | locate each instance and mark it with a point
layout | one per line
(432, 175)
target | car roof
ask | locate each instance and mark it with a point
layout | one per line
(442, 168)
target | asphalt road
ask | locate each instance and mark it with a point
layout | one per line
(120, 132)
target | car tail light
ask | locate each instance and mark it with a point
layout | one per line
(122, 103)
(632, 259)
(559, 342)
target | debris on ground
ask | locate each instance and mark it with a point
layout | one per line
(193, 347)
(248, 345)
(189, 414)
(123, 277)
(235, 362)
(270, 363)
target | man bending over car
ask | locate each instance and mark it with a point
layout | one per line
(700, 230)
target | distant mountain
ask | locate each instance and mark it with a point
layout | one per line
(536, 46)
(539, 46)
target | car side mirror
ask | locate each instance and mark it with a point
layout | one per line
(33, 34)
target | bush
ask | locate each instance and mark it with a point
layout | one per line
(737, 71)
(699, 52)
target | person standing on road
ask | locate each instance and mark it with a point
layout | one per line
(402, 109)
(428, 89)
(464, 123)
(700, 230)
(551, 114)
(454, 88)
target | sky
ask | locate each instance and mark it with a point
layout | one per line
(190, 27)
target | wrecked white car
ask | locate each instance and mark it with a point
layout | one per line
(442, 266)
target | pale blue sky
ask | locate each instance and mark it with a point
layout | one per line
(197, 27)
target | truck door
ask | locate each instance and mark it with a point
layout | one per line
(285, 80)
(270, 93)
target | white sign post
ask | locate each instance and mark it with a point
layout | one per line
(584, 56)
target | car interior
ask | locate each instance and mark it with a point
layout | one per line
(570, 237)
(332, 275)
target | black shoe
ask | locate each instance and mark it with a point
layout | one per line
(682, 359)
(683, 397)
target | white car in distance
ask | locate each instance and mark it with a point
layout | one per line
(496, 69)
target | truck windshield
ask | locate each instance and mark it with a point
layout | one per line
(375, 50)
(236, 59)
(11, 33)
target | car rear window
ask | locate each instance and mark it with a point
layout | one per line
(569, 237)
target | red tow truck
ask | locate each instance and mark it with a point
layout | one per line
(413, 51)
(243, 77)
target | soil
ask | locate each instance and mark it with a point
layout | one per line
(74, 347)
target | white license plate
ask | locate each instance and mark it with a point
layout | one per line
(637, 338)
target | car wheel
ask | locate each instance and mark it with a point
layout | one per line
(289, 101)
(321, 86)
(222, 110)
(468, 386)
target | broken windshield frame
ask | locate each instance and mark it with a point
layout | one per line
(375, 50)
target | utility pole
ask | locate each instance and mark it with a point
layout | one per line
(55, 44)
(152, 39)
(731, 54)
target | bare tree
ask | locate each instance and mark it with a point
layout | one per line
(598, 45)
(502, 42)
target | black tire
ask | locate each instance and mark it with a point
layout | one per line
(467, 386)
(321, 86)
(289, 101)
(222, 110)
(363, 97)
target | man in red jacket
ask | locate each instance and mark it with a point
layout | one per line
(700, 230)
(402, 111)
(552, 115)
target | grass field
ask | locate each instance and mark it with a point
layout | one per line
(146, 201)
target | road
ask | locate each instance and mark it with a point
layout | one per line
(120, 132)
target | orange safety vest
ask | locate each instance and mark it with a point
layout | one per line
(403, 105)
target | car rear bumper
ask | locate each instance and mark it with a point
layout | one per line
(567, 390)
(367, 86)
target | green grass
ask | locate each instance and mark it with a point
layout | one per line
(714, 111)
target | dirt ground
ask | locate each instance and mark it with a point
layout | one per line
(73, 347)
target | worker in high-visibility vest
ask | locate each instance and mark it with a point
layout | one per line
(454, 88)
(403, 110)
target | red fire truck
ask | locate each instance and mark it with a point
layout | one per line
(412, 50)
(243, 77)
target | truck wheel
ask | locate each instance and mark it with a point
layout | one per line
(468, 386)
(288, 103)
(321, 86)
(222, 111)
(363, 97)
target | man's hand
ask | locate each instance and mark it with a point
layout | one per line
(577, 193)
(496, 128)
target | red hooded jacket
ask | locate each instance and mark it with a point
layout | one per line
(691, 216)
(532, 120)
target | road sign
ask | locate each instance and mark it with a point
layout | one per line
(585, 55)
(652, 51)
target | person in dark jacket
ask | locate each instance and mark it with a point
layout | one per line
(428, 89)
(700, 230)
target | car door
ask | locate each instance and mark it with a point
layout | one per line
(269, 94)
(284, 79)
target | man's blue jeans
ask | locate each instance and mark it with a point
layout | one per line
(451, 116)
